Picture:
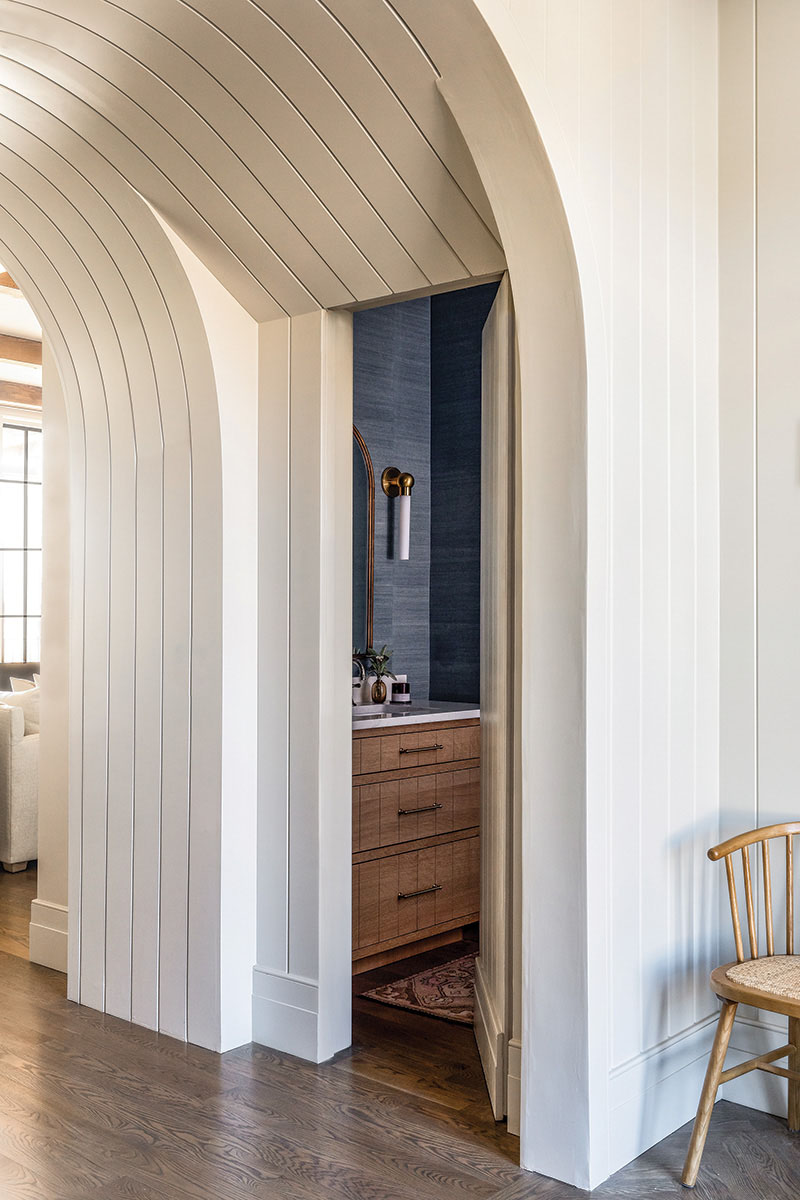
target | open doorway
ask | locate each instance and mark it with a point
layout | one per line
(432, 763)
(21, 458)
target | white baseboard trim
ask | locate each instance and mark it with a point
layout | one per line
(286, 1013)
(514, 1086)
(657, 1092)
(48, 935)
(491, 1039)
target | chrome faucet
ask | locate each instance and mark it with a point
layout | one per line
(362, 672)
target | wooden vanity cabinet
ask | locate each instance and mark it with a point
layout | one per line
(416, 849)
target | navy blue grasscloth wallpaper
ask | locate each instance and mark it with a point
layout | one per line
(391, 407)
(417, 403)
(457, 320)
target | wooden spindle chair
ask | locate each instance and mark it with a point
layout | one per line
(770, 981)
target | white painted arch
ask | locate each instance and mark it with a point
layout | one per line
(369, 190)
(145, 648)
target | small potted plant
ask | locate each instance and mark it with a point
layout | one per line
(379, 667)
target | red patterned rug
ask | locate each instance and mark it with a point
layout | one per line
(447, 991)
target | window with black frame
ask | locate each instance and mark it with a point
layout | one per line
(20, 542)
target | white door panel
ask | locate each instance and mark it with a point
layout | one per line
(492, 983)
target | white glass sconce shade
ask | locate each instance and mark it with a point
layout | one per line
(397, 485)
(403, 526)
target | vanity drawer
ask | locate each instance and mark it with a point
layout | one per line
(422, 748)
(417, 806)
(408, 893)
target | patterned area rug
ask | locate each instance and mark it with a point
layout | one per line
(447, 991)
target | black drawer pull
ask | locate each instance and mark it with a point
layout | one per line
(435, 887)
(420, 749)
(409, 812)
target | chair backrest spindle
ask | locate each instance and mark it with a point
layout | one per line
(748, 899)
(789, 894)
(737, 928)
(768, 898)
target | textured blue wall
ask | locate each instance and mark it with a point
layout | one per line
(457, 320)
(417, 403)
(391, 407)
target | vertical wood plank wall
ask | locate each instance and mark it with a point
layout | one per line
(145, 604)
(760, 311)
(233, 343)
(633, 85)
(49, 912)
(301, 983)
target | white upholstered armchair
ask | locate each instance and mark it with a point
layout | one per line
(19, 790)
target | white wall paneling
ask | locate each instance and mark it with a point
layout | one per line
(760, 266)
(738, 473)
(143, 713)
(627, 106)
(48, 928)
(233, 342)
(737, 217)
(777, 410)
(301, 983)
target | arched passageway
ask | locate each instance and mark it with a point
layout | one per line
(312, 156)
(139, 408)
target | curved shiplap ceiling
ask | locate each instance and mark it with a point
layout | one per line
(301, 148)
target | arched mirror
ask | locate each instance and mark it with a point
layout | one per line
(363, 543)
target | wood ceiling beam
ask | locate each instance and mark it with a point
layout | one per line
(7, 282)
(20, 393)
(19, 349)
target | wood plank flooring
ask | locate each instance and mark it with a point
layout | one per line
(92, 1108)
(16, 893)
(427, 1058)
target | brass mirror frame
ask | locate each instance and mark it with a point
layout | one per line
(362, 445)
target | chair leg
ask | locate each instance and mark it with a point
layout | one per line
(794, 1085)
(709, 1093)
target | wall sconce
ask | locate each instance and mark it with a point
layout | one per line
(396, 483)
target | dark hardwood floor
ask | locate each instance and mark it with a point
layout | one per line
(428, 1058)
(92, 1108)
(16, 893)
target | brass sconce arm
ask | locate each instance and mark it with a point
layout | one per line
(396, 482)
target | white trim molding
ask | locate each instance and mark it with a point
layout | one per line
(656, 1092)
(490, 1035)
(514, 1086)
(49, 939)
(286, 1013)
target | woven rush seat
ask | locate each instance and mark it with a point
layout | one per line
(778, 974)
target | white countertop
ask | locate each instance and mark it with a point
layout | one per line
(389, 715)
